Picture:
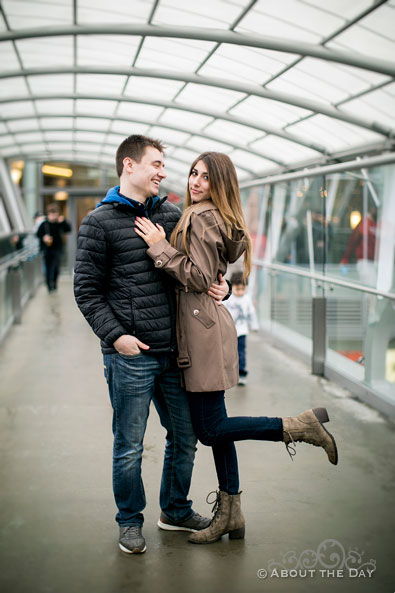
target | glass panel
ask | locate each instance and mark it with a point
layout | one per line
(208, 13)
(141, 86)
(46, 107)
(185, 119)
(35, 52)
(361, 216)
(23, 124)
(345, 8)
(15, 109)
(9, 59)
(284, 307)
(91, 123)
(284, 150)
(301, 15)
(178, 54)
(362, 40)
(300, 236)
(97, 137)
(198, 94)
(201, 144)
(15, 87)
(361, 338)
(127, 128)
(123, 11)
(107, 50)
(37, 14)
(335, 134)
(29, 137)
(264, 110)
(250, 162)
(375, 106)
(139, 111)
(256, 22)
(225, 130)
(297, 82)
(95, 107)
(349, 78)
(7, 140)
(100, 84)
(245, 63)
(169, 136)
(40, 85)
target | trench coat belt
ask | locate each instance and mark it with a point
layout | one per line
(183, 360)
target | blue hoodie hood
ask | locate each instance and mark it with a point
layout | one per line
(114, 196)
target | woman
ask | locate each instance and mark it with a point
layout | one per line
(210, 234)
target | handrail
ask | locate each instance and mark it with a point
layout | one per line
(13, 259)
(323, 279)
(361, 163)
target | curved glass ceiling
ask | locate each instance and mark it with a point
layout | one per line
(277, 84)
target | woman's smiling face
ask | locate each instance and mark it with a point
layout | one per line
(199, 185)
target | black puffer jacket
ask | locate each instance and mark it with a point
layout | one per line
(116, 285)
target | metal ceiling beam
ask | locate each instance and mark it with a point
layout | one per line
(100, 150)
(148, 123)
(178, 106)
(348, 57)
(249, 89)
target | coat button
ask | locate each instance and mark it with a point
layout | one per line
(159, 263)
(196, 311)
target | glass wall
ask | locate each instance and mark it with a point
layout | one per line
(330, 236)
(20, 274)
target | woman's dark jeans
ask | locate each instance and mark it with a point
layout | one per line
(214, 428)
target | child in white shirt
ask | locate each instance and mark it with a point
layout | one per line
(242, 310)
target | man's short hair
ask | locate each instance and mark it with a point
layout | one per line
(53, 209)
(134, 147)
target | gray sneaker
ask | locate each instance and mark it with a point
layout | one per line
(194, 523)
(131, 539)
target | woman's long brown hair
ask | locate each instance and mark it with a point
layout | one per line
(225, 194)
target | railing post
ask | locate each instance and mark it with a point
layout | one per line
(16, 287)
(319, 335)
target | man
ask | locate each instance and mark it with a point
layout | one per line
(131, 306)
(50, 232)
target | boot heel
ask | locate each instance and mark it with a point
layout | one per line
(321, 414)
(237, 533)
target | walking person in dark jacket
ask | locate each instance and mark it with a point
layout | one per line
(51, 232)
(130, 305)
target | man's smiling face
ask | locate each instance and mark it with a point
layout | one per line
(148, 173)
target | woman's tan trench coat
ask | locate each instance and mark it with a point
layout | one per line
(206, 335)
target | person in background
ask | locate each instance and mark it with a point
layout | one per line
(243, 313)
(361, 248)
(51, 232)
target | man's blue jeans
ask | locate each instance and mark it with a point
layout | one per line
(133, 381)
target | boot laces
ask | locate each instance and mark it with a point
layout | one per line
(216, 503)
(291, 446)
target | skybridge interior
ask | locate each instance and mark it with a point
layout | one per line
(301, 95)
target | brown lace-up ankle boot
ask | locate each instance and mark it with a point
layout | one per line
(308, 428)
(228, 518)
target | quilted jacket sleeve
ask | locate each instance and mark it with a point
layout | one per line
(199, 269)
(91, 281)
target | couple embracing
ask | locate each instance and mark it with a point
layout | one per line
(149, 281)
